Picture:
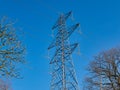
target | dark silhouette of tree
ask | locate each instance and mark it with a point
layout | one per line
(11, 50)
(104, 71)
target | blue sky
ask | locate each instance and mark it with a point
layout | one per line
(99, 21)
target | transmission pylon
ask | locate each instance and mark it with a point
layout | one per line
(63, 72)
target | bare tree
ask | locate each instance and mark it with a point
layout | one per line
(4, 85)
(104, 71)
(11, 50)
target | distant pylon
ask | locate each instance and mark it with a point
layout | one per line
(63, 72)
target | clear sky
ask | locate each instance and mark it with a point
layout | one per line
(100, 25)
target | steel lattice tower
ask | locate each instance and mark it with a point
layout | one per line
(63, 73)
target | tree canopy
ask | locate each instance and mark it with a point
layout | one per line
(104, 71)
(11, 50)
